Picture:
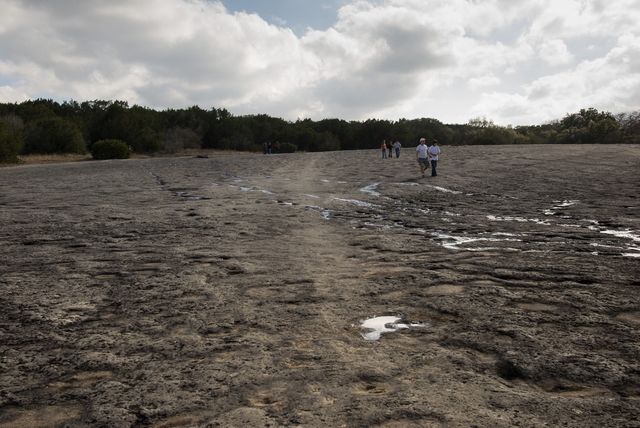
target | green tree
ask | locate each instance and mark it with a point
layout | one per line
(10, 143)
(113, 124)
(305, 139)
(146, 140)
(371, 133)
(339, 128)
(588, 127)
(110, 149)
(326, 141)
(177, 139)
(629, 126)
(482, 131)
(52, 135)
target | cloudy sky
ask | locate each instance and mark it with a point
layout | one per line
(516, 62)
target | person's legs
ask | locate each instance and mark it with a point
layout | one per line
(423, 165)
(397, 153)
(384, 153)
(434, 163)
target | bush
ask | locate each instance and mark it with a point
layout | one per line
(241, 142)
(53, 135)
(288, 148)
(146, 141)
(110, 149)
(177, 139)
(326, 142)
(10, 144)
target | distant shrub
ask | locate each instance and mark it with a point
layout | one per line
(177, 139)
(482, 141)
(241, 142)
(110, 149)
(288, 148)
(52, 135)
(146, 140)
(10, 144)
(326, 142)
(224, 144)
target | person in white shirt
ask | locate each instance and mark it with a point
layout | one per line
(421, 156)
(433, 153)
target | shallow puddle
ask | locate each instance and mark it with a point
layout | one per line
(357, 202)
(371, 189)
(442, 189)
(388, 324)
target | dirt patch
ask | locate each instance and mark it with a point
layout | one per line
(227, 291)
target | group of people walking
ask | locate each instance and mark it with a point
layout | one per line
(426, 156)
(390, 146)
(267, 147)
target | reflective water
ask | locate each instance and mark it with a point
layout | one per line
(377, 326)
(451, 231)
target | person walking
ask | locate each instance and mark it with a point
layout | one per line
(421, 156)
(390, 147)
(383, 146)
(434, 151)
(397, 146)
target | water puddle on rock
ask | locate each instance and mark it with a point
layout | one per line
(442, 189)
(357, 202)
(454, 242)
(375, 327)
(326, 214)
(371, 189)
(559, 206)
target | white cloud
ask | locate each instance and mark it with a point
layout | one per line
(10, 95)
(382, 58)
(555, 52)
(610, 83)
(483, 81)
(279, 21)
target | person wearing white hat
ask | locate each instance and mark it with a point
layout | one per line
(421, 156)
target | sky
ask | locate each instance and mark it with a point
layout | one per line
(516, 62)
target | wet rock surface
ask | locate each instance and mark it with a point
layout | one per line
(229, 291)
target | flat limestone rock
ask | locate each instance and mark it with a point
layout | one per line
(229, 290)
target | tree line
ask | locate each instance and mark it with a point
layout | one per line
(44, 126)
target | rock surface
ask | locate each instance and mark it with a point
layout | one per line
(228, 291)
